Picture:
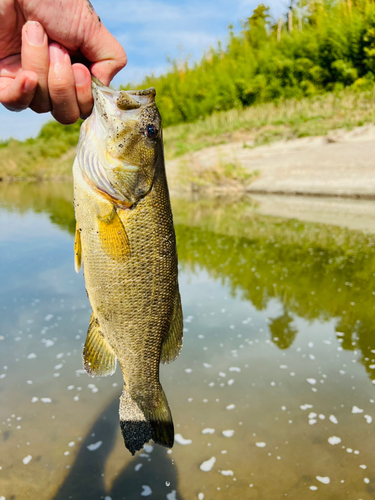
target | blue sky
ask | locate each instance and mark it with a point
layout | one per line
(150, 31)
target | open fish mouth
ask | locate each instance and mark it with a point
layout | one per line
(106, 147)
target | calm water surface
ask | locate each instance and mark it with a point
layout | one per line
(273, 395)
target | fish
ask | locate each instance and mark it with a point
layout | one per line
(125, 241)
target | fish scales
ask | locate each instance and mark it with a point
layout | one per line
(137, 315)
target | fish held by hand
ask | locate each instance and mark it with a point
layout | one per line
(126, 242)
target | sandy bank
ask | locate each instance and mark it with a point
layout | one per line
(340, 164)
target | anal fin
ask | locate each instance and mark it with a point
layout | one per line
(99, 359)
(77, 251)
(172, 344)
(113, 237)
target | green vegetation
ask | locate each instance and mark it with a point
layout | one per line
(308, 73)
(317, 272)
(49, 155)
(322, 45)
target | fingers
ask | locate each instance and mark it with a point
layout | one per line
(103, 48)
(10, 66)
(82, 79)
(35, 57)
(61, 86)
(17, 93)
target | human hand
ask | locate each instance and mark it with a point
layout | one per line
(37, 39)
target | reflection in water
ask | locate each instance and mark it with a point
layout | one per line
(86, 478)
(270, 383)
(283, 331)
(315, 271)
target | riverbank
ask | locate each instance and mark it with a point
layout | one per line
(340, 164)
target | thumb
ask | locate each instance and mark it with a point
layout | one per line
(105, 52)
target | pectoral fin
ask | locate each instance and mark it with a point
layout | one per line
(77, 251)
(113, 237)
(172, 344)
(98, 357)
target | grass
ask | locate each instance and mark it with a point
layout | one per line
(51, 154)
(266, 123)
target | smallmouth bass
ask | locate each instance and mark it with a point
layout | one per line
(126, 241)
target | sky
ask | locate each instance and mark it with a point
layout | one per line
(151, 31)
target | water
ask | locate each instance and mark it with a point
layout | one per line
(273, 395)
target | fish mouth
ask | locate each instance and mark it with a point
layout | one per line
(114, 102)
(100, 159)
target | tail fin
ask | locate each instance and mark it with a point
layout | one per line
(138, 426)
(161, 421)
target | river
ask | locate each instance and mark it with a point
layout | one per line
(273, 395)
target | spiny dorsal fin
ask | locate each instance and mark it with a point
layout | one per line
(99, 360)
(113, 237)
(77, 251)
(172, 344)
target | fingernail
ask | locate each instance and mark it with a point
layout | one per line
(34, 33)
(56, 54)
(80, 75)
(28, 86)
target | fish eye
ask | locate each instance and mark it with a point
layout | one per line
(151, 131)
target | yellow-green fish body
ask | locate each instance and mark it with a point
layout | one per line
(126, 241)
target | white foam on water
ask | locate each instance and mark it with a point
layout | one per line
(355, 409)
(312, 421)
(333, 419)
(366, 480)
(231, 381)
(27, 459)
(172, 495)
(311, 381)
(34, 399)
(46, 400)
(334, 440)
(60, 355)
(208, 430)
(306, 407)
(32, 355)
(283, 367)
(229, 433)
(323, 479)
(349, 450)
(231, 407)
(363, 466)
(72, 443)
(94, 446)
(312, 415)
(207, 465)
(200, 496)
(58, 367)
(368, 418)
(48, 317)
(222, 374)
(188, 370)
(148, 448)
(226, 472)
(313, 488)
(3, 498)
(260, 444)
(180, 440)
(107, 498)
(147, 491)
(234, 369)
(137, 467)
(206, 365)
